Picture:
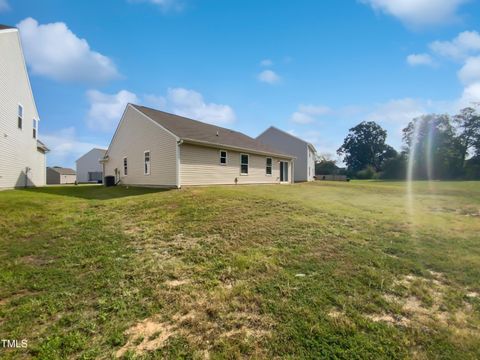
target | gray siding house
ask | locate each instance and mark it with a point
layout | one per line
(89, 168)
(154, 148)
(304, 152)
(22, 159)
(57, 175)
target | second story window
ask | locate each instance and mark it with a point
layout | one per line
(20, 116)
(34, 127)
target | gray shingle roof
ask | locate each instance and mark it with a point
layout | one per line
(63, 171)
(4, 27)
(197, 131)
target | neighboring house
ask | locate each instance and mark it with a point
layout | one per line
(22, 159)
(154, 148)
(58, 175)
(89, 168)
(304, 152)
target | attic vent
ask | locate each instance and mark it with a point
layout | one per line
(217, 132)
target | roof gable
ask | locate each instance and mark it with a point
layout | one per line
(275, 129)
(100, 151)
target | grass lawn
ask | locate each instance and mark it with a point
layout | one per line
(324, 270)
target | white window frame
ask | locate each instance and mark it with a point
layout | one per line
(125, 166)
(20, 117)
(220, 157)
(145, 162)
(241, 164)
(267, 166)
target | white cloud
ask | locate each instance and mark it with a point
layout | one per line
(397, 111)
(190, 103)
(164, 5)
(418, 12)
(266, 62)
(465, 44)
(155, 101)
(54, 51)
(65, 147)
(4, 6)
(306, 114)
(470, 96)
(269, 77)
(420, 59)
(470, 72)
(106, 110)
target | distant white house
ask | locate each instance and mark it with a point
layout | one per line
(155, 148)
(304, 151)
(22, 159)
(89, 168)
(58, 175)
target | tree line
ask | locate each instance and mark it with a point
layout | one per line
(440, 147)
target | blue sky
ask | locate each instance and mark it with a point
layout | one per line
(313, 68)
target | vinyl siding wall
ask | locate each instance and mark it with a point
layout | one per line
(18, 148)
(310, 164)
(290, 145)
(200, 165)
(90, 162)
(135, 135)
(55, 178)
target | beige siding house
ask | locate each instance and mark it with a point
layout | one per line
(304, 152)
(57, 176)
(154, 148)
(89, 168)
(22, 159)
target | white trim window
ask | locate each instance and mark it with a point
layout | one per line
(125, 166)
(268, 166)
(223, 157)
(244, 164)
(35, 127)
(146, 162)
(20, 116)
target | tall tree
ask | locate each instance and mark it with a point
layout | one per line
(365, 146)
(468, 127)
(437, 151)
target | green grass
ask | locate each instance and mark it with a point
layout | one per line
(324, 270)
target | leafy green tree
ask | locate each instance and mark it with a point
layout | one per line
(468, 128)
(395, 167)
(326, 167)
(438, 152)
(365, 147)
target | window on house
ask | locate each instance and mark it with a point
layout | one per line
(244, 164)
(125, 166)
(268, 167)
(146, 166)
(34, 127)
(223, 157)
(20, 116)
